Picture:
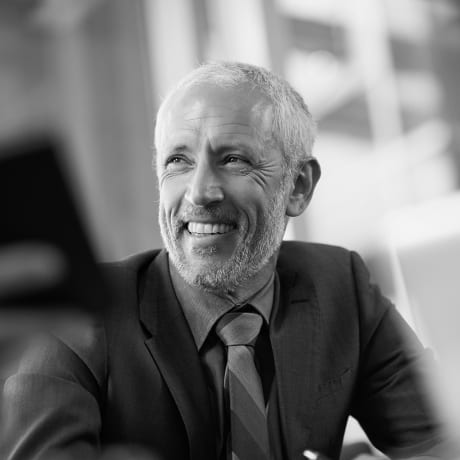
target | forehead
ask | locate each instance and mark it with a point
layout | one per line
(234, 111)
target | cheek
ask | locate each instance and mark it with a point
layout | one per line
(170, 196)
(252, 207)
(262, 210)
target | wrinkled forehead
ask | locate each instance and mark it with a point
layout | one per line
(216, 106)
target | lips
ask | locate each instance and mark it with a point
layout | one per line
(202, 228)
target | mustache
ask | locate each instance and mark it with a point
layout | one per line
(220, 214)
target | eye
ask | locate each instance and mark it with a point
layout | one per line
(176, 162)
(236, 159)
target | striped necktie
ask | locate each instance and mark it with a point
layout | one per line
(248, 420)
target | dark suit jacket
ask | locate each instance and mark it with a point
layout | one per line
(338, 345)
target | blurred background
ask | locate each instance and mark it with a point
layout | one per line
(381, 78)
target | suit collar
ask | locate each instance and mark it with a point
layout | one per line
(294, 333)
(172, 347)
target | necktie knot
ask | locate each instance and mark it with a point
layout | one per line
(239, 328)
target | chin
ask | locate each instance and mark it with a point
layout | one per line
(212, 276)
(208, 274)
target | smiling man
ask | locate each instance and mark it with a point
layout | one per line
(229, 344)
(225, 191)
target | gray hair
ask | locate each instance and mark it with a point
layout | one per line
(294, 129)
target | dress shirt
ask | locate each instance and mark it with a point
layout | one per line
(202, 310)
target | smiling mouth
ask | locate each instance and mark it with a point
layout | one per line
(201, 228)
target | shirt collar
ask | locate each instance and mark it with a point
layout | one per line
(202, 309)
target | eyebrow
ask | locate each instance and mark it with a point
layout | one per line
(177, 149)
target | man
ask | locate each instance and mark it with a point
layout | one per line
(169, 368)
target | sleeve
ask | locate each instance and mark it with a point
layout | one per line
(391, 400)
(52, 403)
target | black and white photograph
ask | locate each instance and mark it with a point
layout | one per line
(229, 230)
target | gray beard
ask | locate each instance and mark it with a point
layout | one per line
(247, 260)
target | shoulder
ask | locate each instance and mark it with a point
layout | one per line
(338, 277)
(317, 251)
(319, 259)
(123, 277)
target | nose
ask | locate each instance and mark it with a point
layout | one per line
(204, 187)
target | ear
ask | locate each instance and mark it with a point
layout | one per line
(303, 187)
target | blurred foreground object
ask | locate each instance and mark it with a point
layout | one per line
(47, 259)
(426, 239)
(48, 277)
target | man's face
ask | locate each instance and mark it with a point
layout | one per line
(222, 199)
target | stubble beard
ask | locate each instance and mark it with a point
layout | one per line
(248, 259)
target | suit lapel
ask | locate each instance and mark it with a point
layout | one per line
(173, 349)
(294, 333)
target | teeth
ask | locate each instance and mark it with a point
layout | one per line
(208, 229)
